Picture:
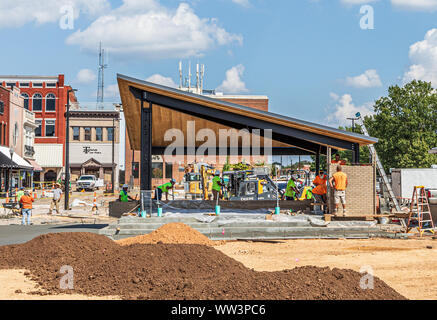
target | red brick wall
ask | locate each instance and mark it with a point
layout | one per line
(61, 100)
(4, 118)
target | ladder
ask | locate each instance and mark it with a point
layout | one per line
(420, 212)
(381, 171)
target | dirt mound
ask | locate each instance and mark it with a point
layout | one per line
(171, 233)
(169, 271)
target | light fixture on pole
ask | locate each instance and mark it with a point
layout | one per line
(67, 152)
(11, 152)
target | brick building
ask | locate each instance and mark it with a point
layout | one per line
(163, 170)
(46, 96)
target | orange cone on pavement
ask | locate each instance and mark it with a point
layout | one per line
(95, 202)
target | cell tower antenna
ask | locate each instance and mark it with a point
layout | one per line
(189, 76)
(202, 74)
(101, 81)
(197, 78)
(180, 75)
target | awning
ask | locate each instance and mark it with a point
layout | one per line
(16, 163)
(35, 165)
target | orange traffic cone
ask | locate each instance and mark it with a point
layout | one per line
(43, 193)
(95, 202)
(35, 195)
(7, 197)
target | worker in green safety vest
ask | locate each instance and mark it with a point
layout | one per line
(216, 185)
(291, 190)
(124, 197)
(164, 189)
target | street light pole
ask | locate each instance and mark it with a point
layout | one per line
(67, 152)
(11, 152)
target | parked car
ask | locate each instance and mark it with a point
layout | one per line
(88, 183)
(432, 195)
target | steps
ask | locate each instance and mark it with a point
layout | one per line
(229, 228)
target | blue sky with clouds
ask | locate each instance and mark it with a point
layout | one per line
(309, 56)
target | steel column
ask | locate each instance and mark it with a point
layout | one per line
(146, 145)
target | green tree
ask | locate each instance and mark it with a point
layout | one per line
(405, 122)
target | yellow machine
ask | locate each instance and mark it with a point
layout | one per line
(195, 180)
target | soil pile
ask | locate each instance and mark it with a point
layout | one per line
(171, 233)
(170, 271)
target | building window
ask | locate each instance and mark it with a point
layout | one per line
(110, 131)
(37, 102)
(4, 135)
(38, 132)
(136, 169)
(10, 84)
(24, 84)
(26, 100)
(50, 102)
(99, 134)
(169, 170)
(76, 133)
(2, 107)
(157, 170)
(50, 128)
(37, 85)
(50, 85)
(87, 134)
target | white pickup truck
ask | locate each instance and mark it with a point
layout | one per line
(87, 183)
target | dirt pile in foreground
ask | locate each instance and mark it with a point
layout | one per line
(171, 233)
(169, 271)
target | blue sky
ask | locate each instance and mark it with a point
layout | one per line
(309, 56)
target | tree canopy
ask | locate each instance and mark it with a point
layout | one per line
(405, 122)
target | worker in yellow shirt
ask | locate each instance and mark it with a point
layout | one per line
(338, 182)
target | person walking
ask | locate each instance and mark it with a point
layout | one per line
(57, 193)
(338, 182)
(26, 205)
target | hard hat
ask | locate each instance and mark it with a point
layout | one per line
(173, 181)
(217, 172)
(125, 186)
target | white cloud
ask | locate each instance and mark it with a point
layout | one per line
(423, 56)
(85, 76)
(243, 3)
(415, 4)
(112, 91)
(160, 79)
(345, 108)
(369, 79)
(19, 12)
(357, 1)
(150, 30)
(233, 82)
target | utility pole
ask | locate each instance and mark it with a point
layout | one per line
(67, 152)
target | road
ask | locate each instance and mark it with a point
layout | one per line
(15, 234)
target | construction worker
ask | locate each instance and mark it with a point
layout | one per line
(320, 189)
(57, 193)
(338, 182)
(291, 189)
(20, 193)
(164, 189)
(216, 185)
(26, 204)
(337, 160)
(124, 197)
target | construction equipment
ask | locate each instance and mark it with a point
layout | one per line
(420, 213)
(253, 184)
(389, 194)
(196, 179)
